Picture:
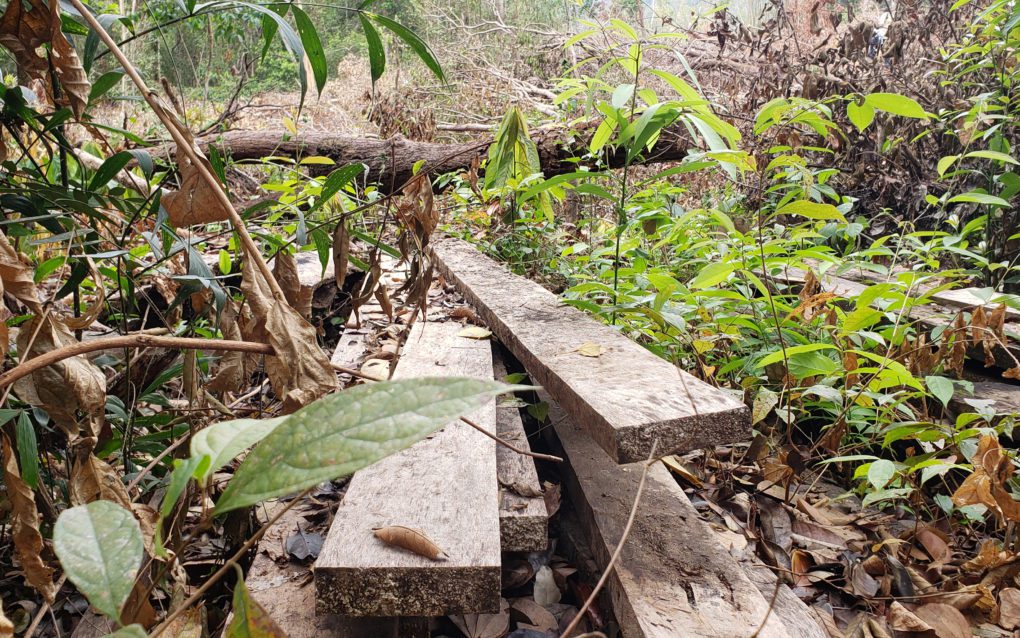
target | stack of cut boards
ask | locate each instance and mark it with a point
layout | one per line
(609, 412)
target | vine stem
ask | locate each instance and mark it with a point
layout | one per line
(181, 137)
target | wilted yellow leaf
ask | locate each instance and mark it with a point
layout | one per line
(475, 332)
(590, 350)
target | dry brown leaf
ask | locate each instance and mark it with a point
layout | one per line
(28, 541)
(195, 202)
(232, 371)
(1009, 608)
(24, 27)
(551, 493)
(463, 312)
(377, 369)
(1012, 373)
(677, 468)
(94, 309)
(936, 543)
(341, 252)
(190, 624)
(299, 296)
(16, 275)
(902, 619)
(93, 479)
(74, 82)
(299, 371)
(986, 484)
(945, 620)
(147, 518)
(959, 350)
(522, 489)
(485, 625)
(65, 387)
(383, 297)
(411, 539)
(529, 611)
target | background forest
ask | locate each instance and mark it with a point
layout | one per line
(812, 206)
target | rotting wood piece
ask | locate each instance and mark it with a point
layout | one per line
(523, 517)
(443, 486)
(673, 577)
(625, 397)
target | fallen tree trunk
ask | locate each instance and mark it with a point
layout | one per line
(390, 162)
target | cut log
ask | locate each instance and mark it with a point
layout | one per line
(673, 577)
(523, 517)
(443, 486)
(625, 396)
(391, 162)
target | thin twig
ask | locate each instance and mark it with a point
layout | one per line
(619, 547)
(135, 340)
(509, 446)
(42, 610)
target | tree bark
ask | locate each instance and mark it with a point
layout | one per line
(390, 162)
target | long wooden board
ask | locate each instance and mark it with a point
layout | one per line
(523, 517)
(625, 397)
(673, 577)
(444, 486)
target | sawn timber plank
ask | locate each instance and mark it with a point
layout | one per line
(444, 486)
(626, 397)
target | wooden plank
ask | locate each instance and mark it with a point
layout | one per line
(1005, 398)
(523, 519)
(443, 486)
(626, 397)
(973, 297)
(673, 577)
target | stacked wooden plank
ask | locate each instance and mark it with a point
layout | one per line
(623, 395)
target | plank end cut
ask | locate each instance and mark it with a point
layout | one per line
(444, 486)
(626, 397)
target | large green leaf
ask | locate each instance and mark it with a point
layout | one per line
(811, 210)
(896, 104)
(250, 619)
(714, 273)
(346, 431)
(334, 182)
(376, 51)
(223, 441)
(412, 40)
(862, 115)
(313, 46)
(100, 548)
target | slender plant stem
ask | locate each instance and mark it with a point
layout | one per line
(621, 210)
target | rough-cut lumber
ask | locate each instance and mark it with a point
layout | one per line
(626, 397)
(444, 486)
(523, 517)
(1005, 398)
(391, 162)
(673, 577)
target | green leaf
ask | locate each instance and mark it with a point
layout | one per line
(412, 40)
(250, 619)
(376, 51)
(945, 163)
(979, 198)
(861, 115)
(182, 473)
(993, 155)
(811, 210)
(28, 449)
(602, 135)
(714, 273)
(103, 84)
(880, 472)
(778, 356)
(224, 262)
(223, 441)
(336, 180)
(346, 431)
(941, 387)
(313, 46)
(896, 104)
(861, 318)
(100, 548)
(110, 167)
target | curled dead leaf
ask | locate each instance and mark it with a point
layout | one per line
(195, 202)
(6, 626)
(411, 539)
(986, 484)
(16, 275)
(485, 625)
(945, 620)
(1009, 608)
(341, 252)
(93, 479)
(298, 295)
(902, 619)
(590, 350)
(28, 541)
(233, 369)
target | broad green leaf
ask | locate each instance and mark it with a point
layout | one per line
(714, 273)
(602, 135)
(250, 619)
(110, 167)
(896, 104)
(412, 40)
(861, 318)
(862, 115)
(979, 198)
(335, 181)
(100, 548)
(945, 163)
(346, 431)
(993, 155)
(376, 51)
(103, 84)
(223, 441)
(313, 46)
(811, 210)
(779, 356)
(880, 472)
(28, 449)
(941, 387)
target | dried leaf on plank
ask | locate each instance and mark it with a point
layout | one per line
(28, 541)
(299, 371)
(411, 539)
